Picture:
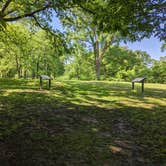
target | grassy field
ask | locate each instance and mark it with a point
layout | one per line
(82, 123)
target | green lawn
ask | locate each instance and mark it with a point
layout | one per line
(82, 123)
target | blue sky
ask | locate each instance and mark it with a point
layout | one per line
(152, 46)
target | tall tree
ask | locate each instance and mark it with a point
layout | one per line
(81, 29)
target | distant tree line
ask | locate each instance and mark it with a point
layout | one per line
(27, 53)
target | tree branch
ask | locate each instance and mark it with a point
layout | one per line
(46, 29)
(39, 24)
(31, 14)
(86, 9)
(106, 46)
(6, 5)
(8, 12)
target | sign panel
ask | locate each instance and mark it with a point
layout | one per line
(45, 77)
(140, 79)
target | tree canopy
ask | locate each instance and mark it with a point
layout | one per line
(132, 18)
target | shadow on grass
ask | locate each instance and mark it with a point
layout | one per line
(39, 128)
(111, 95)
(102, 89)
(18, 84)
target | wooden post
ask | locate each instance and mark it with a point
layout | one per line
(49, 83)
(132, 85)
(142, 86)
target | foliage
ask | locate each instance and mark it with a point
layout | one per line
(81, 29)
(129, 64)
(26, 53)
(112, 16)
(80, 67)
(119, 63)
(30, 53)
(157, 72)
(163, 47)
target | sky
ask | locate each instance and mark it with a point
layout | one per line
(152, 45)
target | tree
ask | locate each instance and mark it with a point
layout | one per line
(15, 42)
(112, 16)
(80, 29)
(29, 53)
(134, 19)
(124, 64)
(79, 63)
(158, 71)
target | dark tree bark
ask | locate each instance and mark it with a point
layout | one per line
(25, 73)
(18, 67)
(97, 59)
(98, 64)
(37, 69)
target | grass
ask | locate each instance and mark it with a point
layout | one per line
(82, 123)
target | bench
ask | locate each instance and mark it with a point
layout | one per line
(45, 77)
(140, 80)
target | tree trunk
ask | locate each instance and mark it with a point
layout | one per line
(97, 60)
(33, 74)
(21, 72)
(18, 67)
(25, 73)
(78, 74)
(98, 69)
(37, 69)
